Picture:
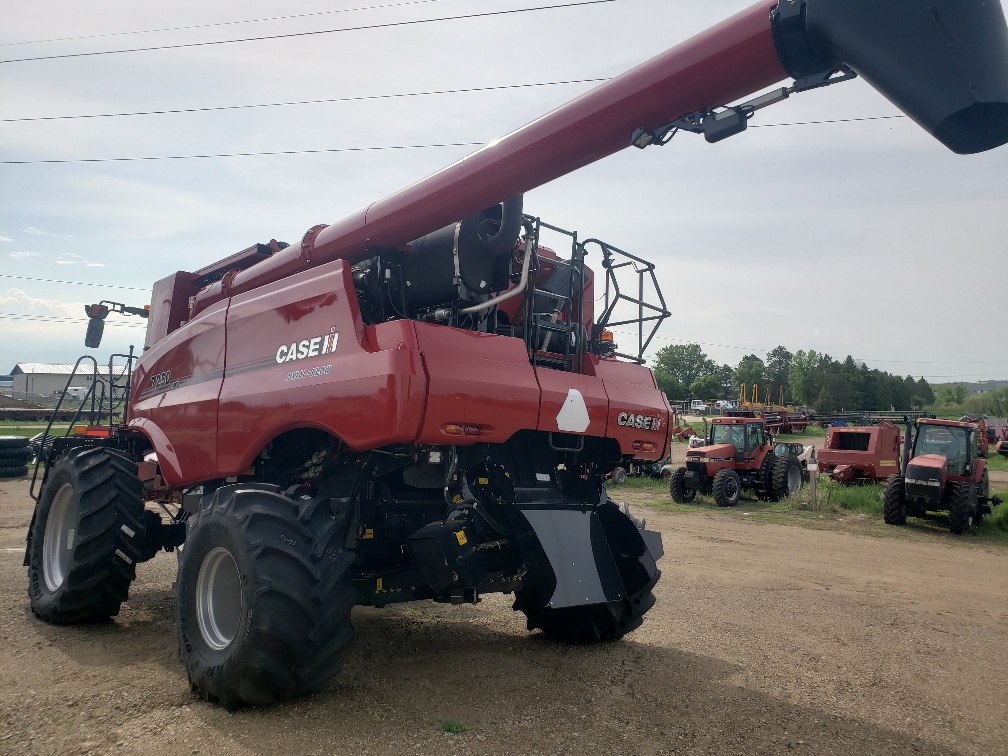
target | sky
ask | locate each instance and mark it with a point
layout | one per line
(864, 237)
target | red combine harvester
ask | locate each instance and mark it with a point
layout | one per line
(945, 471)
(861, 454)
(420, 401)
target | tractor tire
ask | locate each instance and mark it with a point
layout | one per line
(727, 488)
(263, 596)
(619, 476)
(786, 479)
(13, 442)
(86, 537)
(894, 510)
(16, 457)
(983, 498)
(677, 487)
(962, 507)
(766, 477)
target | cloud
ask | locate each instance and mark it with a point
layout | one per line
(69, 258)
(18, 301)
(20, 254)
(40, 232)
(4, 237)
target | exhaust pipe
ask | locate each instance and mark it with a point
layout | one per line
(942, 62)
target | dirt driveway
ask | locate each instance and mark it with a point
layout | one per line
(765, 639)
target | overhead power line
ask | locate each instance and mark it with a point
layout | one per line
(29, 318)
(317, 32)
(220, 23)
(353, 149)
(247, 154)
(359, 98)
(75, 283)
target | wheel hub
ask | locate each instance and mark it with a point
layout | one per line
(218, 598)
(60, 537)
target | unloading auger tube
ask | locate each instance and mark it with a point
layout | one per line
(944, 63)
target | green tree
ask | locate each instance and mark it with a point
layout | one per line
(684, 362)
(750, 370)
(705, 387)
(726, 379)
(778, 364)
(804, 375)
(669, 385)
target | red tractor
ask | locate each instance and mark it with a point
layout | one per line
(739, 455)
(420, 400)
(945, 471)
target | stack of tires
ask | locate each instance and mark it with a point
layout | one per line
(15, 454)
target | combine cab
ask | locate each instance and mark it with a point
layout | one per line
(945, 472)
(861, 454)
(739, 455)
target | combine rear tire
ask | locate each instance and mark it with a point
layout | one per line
(264, 595)
(786, 478)
(677, 487)
(962, 507)
(86, 537)
(619, 476)
(894, 501)
(727, 488)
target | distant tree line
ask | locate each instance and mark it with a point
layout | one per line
(809, 378)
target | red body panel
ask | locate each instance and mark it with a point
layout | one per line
(477, 380)
(175, 389)
(298, 356)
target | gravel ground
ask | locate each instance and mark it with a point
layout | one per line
(765, 639)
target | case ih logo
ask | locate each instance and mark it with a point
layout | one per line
(300, 350)
(644, 422)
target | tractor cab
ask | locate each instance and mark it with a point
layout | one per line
(745, 435)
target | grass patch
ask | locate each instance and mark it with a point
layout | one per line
(452, 727)
(836, 505)
(811, 431)
(996, 461)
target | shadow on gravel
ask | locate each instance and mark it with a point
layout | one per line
(416, 667)
(413, 668)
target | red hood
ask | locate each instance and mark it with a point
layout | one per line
(935, 461)
(716, 450)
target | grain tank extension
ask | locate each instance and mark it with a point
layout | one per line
(420, 401)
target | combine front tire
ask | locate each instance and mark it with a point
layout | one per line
(785, 477)
(894, 501)
(86, 537)
(962, 507)
(727, 488)
(677, 487)
(264, 595)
